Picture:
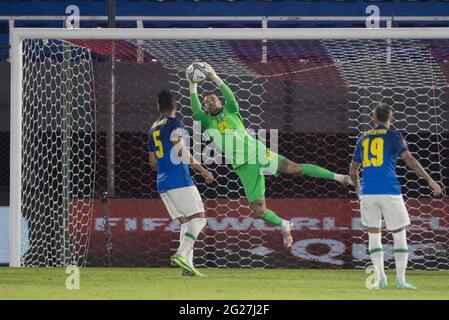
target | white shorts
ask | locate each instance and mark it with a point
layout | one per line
(183, 202)
(391, 207)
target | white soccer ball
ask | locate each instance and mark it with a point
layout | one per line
(196, 72)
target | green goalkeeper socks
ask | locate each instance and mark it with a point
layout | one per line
(314, 171)
(272, 218)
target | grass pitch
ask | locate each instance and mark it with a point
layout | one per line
(166, 284)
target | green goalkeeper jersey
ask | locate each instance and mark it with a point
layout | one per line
(227, 131)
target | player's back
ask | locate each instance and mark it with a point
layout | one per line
(172, 173)
(378, 151)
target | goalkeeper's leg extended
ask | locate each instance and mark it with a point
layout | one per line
(287, 166)
(260, 210)
(253, 181)
(254, 186)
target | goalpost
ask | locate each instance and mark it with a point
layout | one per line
(318, 86)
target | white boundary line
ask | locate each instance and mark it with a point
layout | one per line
(229, 18)
(231, 33)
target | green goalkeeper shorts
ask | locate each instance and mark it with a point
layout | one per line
(252, 174)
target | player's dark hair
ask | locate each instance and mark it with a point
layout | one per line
(382, 112)
(166, 101)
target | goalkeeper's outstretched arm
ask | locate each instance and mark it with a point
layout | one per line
(230, 100)
(195, 103)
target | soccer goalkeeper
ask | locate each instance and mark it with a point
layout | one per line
(248, 156)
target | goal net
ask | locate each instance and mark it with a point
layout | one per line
(88, 104)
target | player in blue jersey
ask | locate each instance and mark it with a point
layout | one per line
(377, 152)
(170, 158)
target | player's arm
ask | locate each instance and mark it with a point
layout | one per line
(414, 164)
(151, 152)
(153, 161)
(195, 103)
(186, 157)
(230, 100)
(354, 174)
(354, 168)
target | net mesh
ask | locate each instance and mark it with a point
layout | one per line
(318, 94)
(58, 152)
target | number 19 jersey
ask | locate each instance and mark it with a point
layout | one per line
(171, 172)
(378, 150)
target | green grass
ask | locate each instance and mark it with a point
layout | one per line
(140, 283)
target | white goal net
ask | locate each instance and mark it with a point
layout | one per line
(87, 105)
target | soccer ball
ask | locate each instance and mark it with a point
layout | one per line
(196, 72)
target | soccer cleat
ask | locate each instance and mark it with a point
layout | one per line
(405, 285)
(196, 273)
(199, 274)
(180, 261)
(286, 231)
(381, 284)
(186, 273)
(343, 179)
(347, 181)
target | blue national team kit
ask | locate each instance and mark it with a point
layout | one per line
(378, 150)
(171, 174)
